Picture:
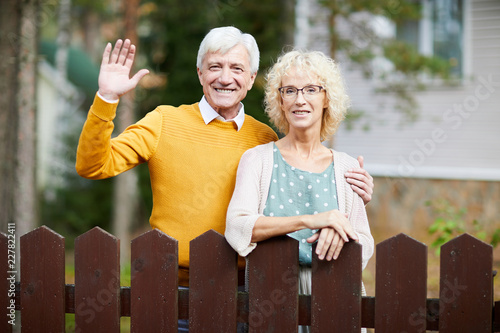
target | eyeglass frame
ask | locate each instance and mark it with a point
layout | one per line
(281, 89)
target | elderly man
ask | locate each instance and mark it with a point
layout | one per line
(192, 150)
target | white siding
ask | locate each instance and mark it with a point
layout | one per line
(458, 133)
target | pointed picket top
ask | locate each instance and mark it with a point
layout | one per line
(273, 270)
(466, 285)
(43, 231)
(97, 280)
(154, 234)
(149, 244)
(154, 282)
(466, 243)
(213, 283)
(400, 239)
(209, 234)
(96, 233)
(401, 285)
(42, 280)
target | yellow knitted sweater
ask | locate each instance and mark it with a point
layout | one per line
(192, 165)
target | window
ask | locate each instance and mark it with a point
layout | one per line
(438, 33)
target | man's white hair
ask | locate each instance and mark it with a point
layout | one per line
(224, 39)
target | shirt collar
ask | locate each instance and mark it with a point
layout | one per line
(209, 114)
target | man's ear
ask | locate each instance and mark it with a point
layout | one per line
(199, 75)
(252, 80)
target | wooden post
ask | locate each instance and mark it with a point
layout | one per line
(42, 281)
(336, 291)
(401, 285)
(273, 285)
(97, 282)
(154, 282)
(213, 284)
(465, 290)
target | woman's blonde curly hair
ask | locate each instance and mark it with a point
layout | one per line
(328, 73)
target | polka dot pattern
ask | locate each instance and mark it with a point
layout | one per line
(296, 192)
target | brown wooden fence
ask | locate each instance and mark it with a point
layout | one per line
(272, 303)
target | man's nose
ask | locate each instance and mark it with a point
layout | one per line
(225, 76)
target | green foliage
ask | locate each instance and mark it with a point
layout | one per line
(450, 222)
(409, 69)
(170, 33)
(174, 33)
(80, 204)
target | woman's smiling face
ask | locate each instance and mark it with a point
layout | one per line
(303, 111)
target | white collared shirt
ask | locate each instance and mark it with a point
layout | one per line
(209, 114)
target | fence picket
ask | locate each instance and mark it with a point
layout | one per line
(154, 281)
(273, 285)
(42, 281)
(466, 286)
(336, 292)
(5, 285)
(213, 284)
(401, 285)
(97, 282)
(271, 302)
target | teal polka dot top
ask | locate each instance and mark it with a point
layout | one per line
(296, 192)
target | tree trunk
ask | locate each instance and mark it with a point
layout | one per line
(18, 61)
(125, 185)
(25, 190)
(10, 22)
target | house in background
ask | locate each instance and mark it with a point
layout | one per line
(62, 103)
(452, 151)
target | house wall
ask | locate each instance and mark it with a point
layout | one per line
(457, 133)
(400, 204)
(452, 151)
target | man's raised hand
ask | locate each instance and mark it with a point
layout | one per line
(114, 75)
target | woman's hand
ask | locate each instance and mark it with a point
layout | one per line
(331, 239)
(329, 243)
(332, 219)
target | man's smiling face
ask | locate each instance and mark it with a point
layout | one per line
(226, 79)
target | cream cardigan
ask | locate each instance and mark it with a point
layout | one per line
(250, 195)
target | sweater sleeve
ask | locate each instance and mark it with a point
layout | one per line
(99, 156)
(354, 206)
(245, 206)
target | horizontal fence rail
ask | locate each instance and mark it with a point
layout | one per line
(271, 301)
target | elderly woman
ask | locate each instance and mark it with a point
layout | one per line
(296, 186)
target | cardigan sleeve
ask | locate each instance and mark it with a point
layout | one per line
(246, 204)
(359, 221)
(354, 206)
(99, 156)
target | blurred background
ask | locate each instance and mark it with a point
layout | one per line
(423, 76)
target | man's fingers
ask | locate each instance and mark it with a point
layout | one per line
(366, 197)
(359, 184)
(139, 75)
(361, 160)
(359, 174)
(116, 51)
(105, 54)
(129, 60)
(124, 52)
